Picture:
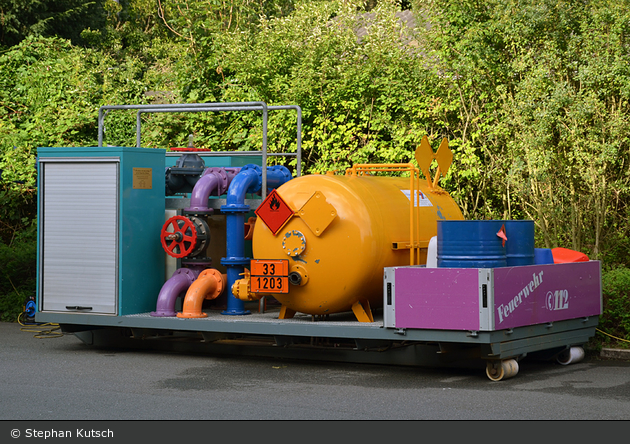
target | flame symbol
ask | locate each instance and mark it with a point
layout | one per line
(274, 205)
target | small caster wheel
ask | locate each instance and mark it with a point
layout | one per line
(571, 356)
(498, 371)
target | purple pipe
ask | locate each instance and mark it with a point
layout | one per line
(214, 181)
(181, 280)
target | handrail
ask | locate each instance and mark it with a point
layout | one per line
(414, 187)
(213, 107)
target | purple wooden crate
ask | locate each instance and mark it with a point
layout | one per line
(451, 299)
(437, 298)
(539, 294)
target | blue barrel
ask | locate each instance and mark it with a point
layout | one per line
(519, 247)
(543, 256)
(470, 244)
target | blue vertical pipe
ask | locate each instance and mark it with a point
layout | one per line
(248, 180)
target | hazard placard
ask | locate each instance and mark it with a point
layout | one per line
(269, 267)
(269, 275)
(274, 212)
(270, 284)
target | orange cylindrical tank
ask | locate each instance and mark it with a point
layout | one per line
(338, 250)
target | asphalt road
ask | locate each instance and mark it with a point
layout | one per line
(60, 378)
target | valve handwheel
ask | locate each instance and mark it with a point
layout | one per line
(179, 236)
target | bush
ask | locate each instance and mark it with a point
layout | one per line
(615, 318)
(18, 273)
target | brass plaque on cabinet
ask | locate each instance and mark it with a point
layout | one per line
(142, 178)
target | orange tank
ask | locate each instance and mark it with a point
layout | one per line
(344, 231)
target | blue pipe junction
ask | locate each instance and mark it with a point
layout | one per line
(248, 180)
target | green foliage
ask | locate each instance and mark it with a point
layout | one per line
(566, 99)
(17, 273)
(50, 92)
(17, 210)
(615, 319)
(356, 75)
(177, 43)
(541, 116)
(48, 18)
(533, 95)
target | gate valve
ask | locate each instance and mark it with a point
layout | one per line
(179, 236)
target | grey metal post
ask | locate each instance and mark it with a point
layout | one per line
(263, 191)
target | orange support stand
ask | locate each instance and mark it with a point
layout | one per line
(362, 311)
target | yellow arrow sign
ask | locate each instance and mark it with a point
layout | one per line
(425, 156)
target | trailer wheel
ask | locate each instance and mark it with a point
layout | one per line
(571, 356)
(498, 371)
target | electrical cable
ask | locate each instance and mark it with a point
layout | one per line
(43, 333)
(614, 337)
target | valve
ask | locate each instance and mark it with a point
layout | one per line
(180, 235)
(241, 289)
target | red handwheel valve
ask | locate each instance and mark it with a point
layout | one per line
(179, 236)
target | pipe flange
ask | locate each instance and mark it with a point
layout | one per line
(222, 177)
(298, 275)
(294, 243)
(284, 171)
(235, 208)
(203, 235)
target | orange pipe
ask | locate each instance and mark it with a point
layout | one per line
(209, 285)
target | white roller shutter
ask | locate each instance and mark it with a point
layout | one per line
(79, 255)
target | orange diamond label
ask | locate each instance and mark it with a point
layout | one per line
(274, 212)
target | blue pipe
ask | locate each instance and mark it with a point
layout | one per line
(248, 180)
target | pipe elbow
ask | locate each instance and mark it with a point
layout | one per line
(209, 285)
(248, 180)
(179, 282)
(214, 181)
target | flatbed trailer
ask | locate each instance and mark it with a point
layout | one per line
(390, 339)
(101, 267)
(339, 338)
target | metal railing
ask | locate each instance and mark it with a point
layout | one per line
(214, 107)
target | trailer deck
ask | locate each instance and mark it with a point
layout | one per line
(338, 338)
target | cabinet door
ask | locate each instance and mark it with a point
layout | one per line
(79, 236)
